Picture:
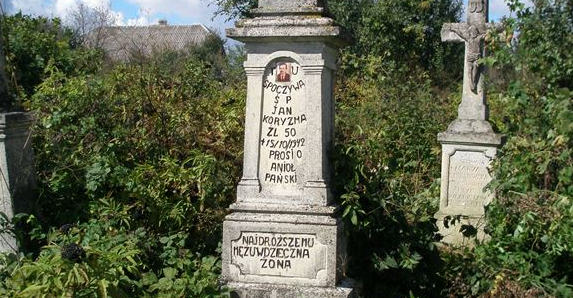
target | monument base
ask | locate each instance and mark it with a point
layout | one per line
(291, 251)
(461, 230)
(466, 158)
(251, 290)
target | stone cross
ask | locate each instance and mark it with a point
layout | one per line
(472, 33)
(284, 237)
(469, 144)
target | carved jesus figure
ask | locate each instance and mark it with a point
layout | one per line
(474, 37)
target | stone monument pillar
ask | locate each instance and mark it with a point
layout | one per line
(469, 144)
(17, 173)
(284, 237)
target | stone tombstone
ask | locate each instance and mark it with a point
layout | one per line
(17, 181)
(284, 237)
(469, 144)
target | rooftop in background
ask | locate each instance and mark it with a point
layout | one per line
(122, 43)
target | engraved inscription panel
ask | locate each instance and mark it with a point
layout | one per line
(283, 129)
(468, 175)
(278, 254)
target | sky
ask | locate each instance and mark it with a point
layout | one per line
(146, 12)
(129, 12)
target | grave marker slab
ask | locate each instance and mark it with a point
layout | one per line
(469, 144)
(17, 173)
(284, 237)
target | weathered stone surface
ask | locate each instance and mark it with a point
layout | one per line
(275, 251)
(467, 172)
(280, 9)
(289, 138)
(283, 237)
(285, 188)
(18, 182)
(470, 128)
(466, 159)
(278, 254)
(291, 209)
(472, 33)
(295, 27)
(297, 21)
(253, 290)
(478, 11)
(453, 227)
(468, 177)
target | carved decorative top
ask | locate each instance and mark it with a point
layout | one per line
(473, 33)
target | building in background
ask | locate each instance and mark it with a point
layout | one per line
(125, 43)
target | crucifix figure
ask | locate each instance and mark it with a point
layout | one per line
(473, 33)
(474, 38)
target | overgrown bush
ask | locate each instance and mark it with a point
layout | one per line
(388, 162)
(401, 34)
(108, 257)
(33, 43)
(164, 142)
(137, 164)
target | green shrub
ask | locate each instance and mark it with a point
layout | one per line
(167, 143)
(105, 257)
(33, 43)
(388, 162)
(136, 164)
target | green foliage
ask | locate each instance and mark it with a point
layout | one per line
(404, 33)
(105, 258)
(387, 165)
(136, 164)
(32, 44)
(157, 139)
(235, 8)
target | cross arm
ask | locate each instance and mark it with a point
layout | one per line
(452, 32)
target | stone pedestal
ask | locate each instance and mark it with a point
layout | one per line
(466, 158)
(17, 183)
(275, 251)
(284, 237)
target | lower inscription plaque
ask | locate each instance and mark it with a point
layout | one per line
(277, 254)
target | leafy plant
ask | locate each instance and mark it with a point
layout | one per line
(33, 43)
(387, 164)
